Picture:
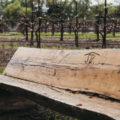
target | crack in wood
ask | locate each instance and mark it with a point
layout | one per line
(88, 93)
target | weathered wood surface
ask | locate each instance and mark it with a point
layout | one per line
(96, 71)
(75, 105)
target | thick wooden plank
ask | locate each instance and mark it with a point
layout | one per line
(96, 71)
(75, 105)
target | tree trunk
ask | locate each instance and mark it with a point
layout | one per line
(26, 32)
(26, 28)
(53, 29)
(32, 36)
(32, 19)
(76, 38)
(46, 27)
(98, 36)
(39, 29)
(105, 21)
(70, 27)
(114, 32)
(62, 32)
(97, 29)
(36, 38)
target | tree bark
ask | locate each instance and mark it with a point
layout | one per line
(62, 32)
(26, 28)
(105, 21)
(76, 39)
(53, 29)
(32, 27)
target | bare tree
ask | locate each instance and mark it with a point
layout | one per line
(32, 24)
(26, 21)
(3, 26)
(97, 27)
(105, 22)
(76, 27)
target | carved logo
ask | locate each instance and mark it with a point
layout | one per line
(90, 57)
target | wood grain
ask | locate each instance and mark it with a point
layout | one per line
(96, 71)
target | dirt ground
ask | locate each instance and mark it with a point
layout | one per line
(68, 42)
(9, 44)
(5, 56)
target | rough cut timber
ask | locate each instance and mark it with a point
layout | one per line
(69, 77)
(76, 105)
(96, 71)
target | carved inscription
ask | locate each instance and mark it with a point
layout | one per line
(90, 57)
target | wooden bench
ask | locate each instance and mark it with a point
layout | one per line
(81, 83)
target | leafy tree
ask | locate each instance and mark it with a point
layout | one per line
(14, 10)
(57, 15)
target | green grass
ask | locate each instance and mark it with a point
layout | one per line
(1, 70)
(9, 45)
(16, 45)
(60, 47)
(81, 35)
(11, 34)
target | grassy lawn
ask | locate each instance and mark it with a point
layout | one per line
(1, 70)
(81, 35)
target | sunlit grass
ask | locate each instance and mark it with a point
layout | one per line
(11, 34)
(9, 45)
(49, 34)
(1, 70)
